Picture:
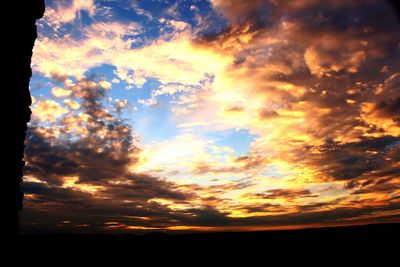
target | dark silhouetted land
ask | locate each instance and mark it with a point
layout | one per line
(349, 238)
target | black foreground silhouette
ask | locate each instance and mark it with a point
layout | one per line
(18, 55)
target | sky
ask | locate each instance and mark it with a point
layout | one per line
(220, 115)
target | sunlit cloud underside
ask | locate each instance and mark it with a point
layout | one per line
(213, 116)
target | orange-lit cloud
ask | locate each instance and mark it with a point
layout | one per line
(48, 110)
(320, 96)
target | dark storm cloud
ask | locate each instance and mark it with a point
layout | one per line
(379, 186)
(53, 194)
(144, 187)
(97, 212)
(110, 204)
(263, 208)
(312, 216)
(299, 218)
(239, 11)
(367, 158)
(389, 108)
(206, 216)
(289, 194)
(51, 162)
(52, 204)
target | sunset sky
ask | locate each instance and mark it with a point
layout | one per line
(213, 115)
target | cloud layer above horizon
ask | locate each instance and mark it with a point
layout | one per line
(213, 115)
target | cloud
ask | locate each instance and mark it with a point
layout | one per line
(48, 110)
(242, 164)
(100, 138)
(169, 61)
(314, 82)
(383, 115)
(140, 11)
(289, 194)
(236, 9)
(60, 92)
(92, 168)
(72, 104)
(323, 62)
(67, 11)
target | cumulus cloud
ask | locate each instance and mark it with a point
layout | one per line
(60, 92)
(48, 110)
(88, 162)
